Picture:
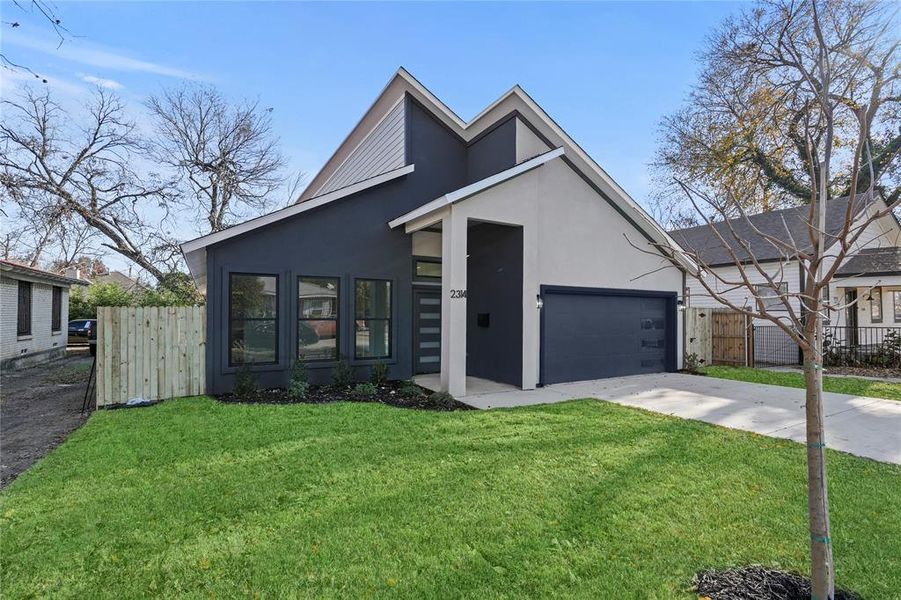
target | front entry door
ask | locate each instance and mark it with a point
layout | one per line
(426, 331)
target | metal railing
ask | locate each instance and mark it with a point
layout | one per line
(774, 347)
(842, 346)
(862, 346)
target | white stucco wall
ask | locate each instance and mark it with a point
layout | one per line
(571, 236)
(41, 338)
(528, 145)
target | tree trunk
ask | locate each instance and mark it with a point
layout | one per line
(822, 573)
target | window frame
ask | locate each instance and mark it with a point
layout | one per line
(427, 259)
(783, 291)
(28, 316)
(390, 319)
(231, 320)
(56, 309)
(337, 320)
(878, 292)
(896, 306)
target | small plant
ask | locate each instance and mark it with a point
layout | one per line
(408, 389)
(691, 363)
(245, 381)
(364, 390)
(342, 375)
(299, 384)
(379, 373)
(442, 400)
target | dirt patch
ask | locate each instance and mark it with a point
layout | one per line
(39, 408)
(393, 393)
(757, 583)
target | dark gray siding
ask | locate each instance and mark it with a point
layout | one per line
(348, 238)
(493, 152)
(494, 288)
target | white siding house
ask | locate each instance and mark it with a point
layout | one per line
(34, 310)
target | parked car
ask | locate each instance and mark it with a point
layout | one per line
(81, 330)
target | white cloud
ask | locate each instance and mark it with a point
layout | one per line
(78, 51)
(13, 80)
(111, 84)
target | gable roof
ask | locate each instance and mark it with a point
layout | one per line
(515, 101)
(788, 225)
(474, 188)
(33, 273)
(872, 261)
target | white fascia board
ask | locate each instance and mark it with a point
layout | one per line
(194, 250)
(475, 188)
(647, 223)
(294, 209)
(361, 142)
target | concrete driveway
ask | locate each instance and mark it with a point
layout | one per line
(868, 427)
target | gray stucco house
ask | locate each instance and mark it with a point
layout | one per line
(494, 248)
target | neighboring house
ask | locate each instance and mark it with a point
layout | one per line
(35, 312)
(124, 281)
(869, 279)
(494, 248)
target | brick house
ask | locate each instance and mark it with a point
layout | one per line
(34, 314)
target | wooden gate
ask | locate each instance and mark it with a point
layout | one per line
(150, 352)
(733, 338)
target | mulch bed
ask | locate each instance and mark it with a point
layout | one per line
(863, 371)
(393, 393)
(757, 583)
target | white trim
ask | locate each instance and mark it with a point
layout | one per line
(294, 209)
(475, 188)
(194, 250)
(363, 141)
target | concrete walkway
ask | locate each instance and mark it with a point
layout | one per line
(868, 427)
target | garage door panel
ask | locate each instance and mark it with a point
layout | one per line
(597, 335)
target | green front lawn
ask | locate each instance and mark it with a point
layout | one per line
(842, 385)
(583, 499)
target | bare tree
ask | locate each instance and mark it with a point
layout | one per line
(745, 133)
(828, 67)
(226, 154)
(46, 15)
(87, 175)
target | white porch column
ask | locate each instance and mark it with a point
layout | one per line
(453, 304)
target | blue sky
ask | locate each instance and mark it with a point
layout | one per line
(606, 72)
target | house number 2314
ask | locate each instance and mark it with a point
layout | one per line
(458, 293)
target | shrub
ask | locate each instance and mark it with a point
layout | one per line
(299, 384)
(691, 363)
(442, 400)
(379, 373)
(408, 389)
(364, 390)
(245, 381)
(343, 375)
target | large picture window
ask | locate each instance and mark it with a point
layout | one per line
(23, 309)
(372, 319)
(56, 309)
(317, 318)
(253, 319)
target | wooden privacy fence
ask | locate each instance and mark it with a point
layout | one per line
(719, 336)
(150, 352)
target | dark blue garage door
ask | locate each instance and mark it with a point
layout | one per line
(592, 333)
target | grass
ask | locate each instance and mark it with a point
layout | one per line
(842, 385)
(581, 499)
